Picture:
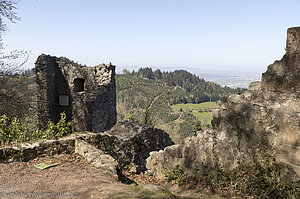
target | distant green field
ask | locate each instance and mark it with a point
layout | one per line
(201, 111)
(196, 107)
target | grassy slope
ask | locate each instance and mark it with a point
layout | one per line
(201, 111)
(134, 94)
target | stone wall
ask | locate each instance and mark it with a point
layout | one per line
(96, 157)
(193, 155)
(127, 144)
(27, 151)
(86, 94)
(271, 107)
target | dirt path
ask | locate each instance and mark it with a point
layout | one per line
(158, 96)
(72, 178)
(154, 99)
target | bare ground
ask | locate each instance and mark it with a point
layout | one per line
(72, 178)
(75, 178)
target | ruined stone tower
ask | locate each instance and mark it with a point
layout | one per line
(284, 75)
(86, 94)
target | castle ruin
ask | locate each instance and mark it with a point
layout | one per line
(86, 94)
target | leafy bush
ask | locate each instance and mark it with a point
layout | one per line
(61, 129)
(15, 130)
(176, 175)
(256, 181)
(11, 130)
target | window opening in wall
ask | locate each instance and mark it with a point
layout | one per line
(64, 100)
(79, 84)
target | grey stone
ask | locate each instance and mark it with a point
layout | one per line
(96, 157)
(254, 86)
(194, 155)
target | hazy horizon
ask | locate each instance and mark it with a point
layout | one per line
(214, 35)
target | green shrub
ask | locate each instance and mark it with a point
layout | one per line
(176, 175)
(13, 130)
(61, 129)
(255, 181)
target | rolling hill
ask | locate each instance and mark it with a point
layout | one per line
(163, 93)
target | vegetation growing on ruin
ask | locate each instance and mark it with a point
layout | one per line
(177, 175)
(262, 180)
(258, 181)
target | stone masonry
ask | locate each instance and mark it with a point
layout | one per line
(86, 94)
(126, 146)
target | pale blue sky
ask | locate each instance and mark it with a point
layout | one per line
(219, 34)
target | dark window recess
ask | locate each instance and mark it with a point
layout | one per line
(79, 84)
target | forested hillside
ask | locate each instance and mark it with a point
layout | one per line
(197, 90)
(158, 91)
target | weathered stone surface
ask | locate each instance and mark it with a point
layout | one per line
(260, 112)
(130, 144)
(293, 40)
(284, 75)
(195, 154)
(254, 86)
(27, 151)
(91, 93)
(96, 157)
